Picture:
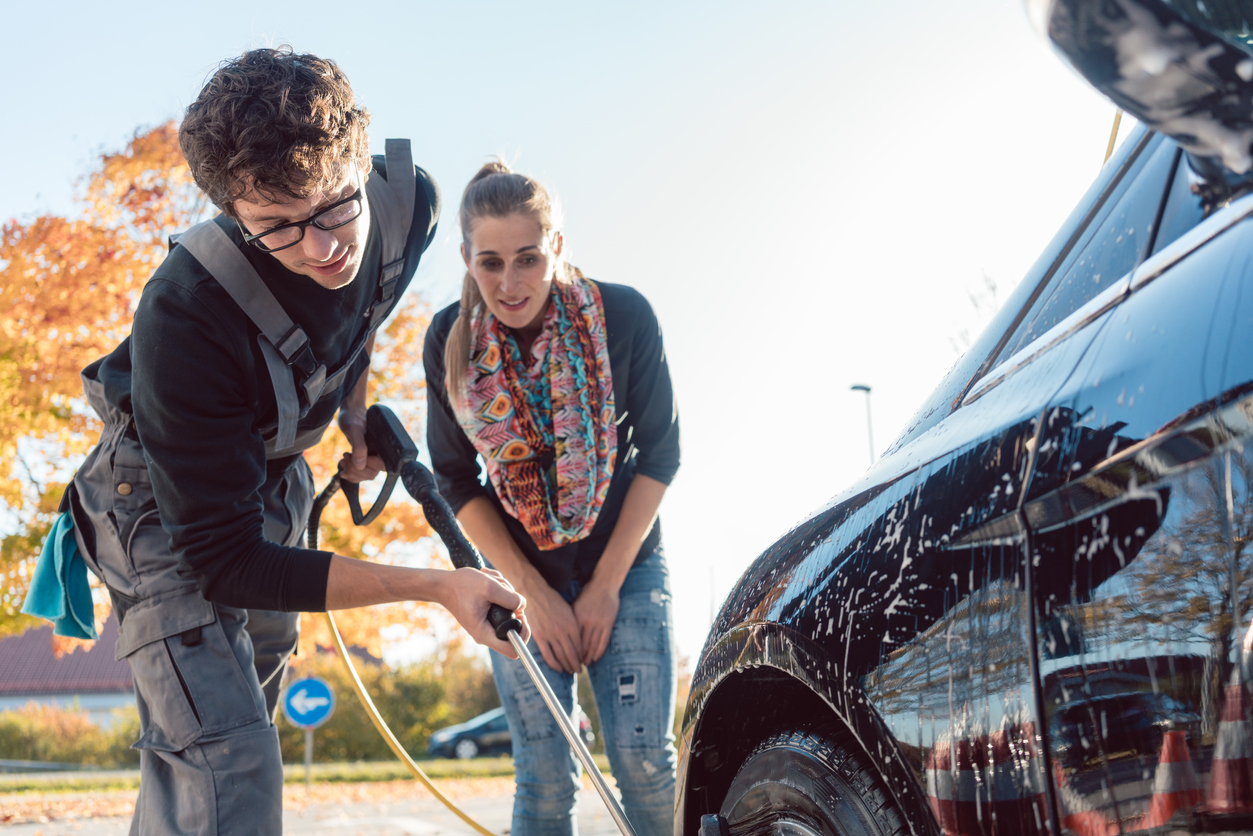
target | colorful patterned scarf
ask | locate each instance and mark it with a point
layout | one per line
(545, 429)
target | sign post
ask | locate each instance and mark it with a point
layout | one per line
(308, 704)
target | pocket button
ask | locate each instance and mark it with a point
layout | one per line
(124, 488)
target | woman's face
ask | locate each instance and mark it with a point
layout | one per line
(513, 262)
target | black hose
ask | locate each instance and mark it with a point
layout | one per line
(385, 437)
(320, 502)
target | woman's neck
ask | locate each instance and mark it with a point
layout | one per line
(525, 338)
(526, 335)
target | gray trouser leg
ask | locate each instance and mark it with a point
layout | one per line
(209, 757)
(207, 677)
(231, 785)
(274, 635)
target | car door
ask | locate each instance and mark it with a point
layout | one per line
(1138, 512)
(495, 733)
(960, 694)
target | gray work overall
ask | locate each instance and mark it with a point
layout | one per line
(207, 677)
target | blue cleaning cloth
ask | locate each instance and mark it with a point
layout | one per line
(59, 590)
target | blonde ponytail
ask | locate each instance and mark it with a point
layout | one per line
(457, 349)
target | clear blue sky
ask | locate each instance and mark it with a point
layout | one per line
(804, 190)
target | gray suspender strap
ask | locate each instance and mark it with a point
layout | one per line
(392, 201)
(391, 207)
(283, 343)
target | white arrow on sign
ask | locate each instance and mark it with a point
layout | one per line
(304, 704)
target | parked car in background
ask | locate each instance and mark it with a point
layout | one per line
(487, 734)
(1032, 614)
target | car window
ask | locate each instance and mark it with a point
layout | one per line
(978, 359)
(498, 724)
(1115, 243)
(1184, 208)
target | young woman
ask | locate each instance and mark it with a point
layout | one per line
(560, 385)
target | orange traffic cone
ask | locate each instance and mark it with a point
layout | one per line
(952, 786)
(1015, 779)
(1175, 786)
(1231, 776)
(1077, 816)
(989, 785)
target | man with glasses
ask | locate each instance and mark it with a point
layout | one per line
(248, 340)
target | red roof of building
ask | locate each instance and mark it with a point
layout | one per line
(28, 665)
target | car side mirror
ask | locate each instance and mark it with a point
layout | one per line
(1184, 68)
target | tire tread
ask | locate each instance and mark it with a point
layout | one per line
(841, 755)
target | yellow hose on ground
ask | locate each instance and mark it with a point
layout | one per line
(1113, 134)
(392, 742)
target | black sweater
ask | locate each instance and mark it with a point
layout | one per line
(648, 432)
(193, 376)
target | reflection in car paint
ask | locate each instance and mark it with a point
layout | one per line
(1158, 617)
(975, 781)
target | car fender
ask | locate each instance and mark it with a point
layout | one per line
(723, 720)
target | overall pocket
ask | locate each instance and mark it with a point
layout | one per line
(94, 496)
(186, 673)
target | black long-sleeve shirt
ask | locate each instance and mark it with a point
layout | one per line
(193, 376)
(648, 432)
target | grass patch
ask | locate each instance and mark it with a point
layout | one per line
(323, 773)
(69, 782)
(394, 770)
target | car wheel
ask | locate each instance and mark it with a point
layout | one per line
(804, 784)
(466, 749)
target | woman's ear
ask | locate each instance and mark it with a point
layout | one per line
(557, 242)
(465, 255)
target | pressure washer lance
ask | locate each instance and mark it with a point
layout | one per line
(386, 438)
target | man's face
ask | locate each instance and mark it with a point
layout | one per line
(329, 257)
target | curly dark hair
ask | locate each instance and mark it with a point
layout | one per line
(275, 122)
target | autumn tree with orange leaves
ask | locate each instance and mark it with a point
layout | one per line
(68, 291)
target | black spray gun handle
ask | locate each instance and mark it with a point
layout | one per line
(386, 438)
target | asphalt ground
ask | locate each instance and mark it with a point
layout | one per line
(377, 809)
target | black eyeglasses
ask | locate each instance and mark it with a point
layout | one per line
(338, 214)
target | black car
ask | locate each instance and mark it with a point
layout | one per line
(487, 734)
(1067, 519)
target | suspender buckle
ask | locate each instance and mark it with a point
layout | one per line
(294, 343)
(391, 272)
(304, 360)
(312, 388)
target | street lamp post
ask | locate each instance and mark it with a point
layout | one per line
(861, 387)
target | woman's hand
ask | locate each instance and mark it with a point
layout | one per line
(556, 629)
(596, 609)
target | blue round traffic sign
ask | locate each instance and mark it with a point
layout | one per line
(308, 703)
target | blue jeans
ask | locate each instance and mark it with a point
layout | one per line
(634, 686)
